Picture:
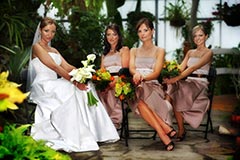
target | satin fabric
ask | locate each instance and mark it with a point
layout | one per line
(62, 117)
(151, 92)
(190, 96)
(113, 64)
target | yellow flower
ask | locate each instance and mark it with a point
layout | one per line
(101, 78)
(124, 88)
(170, 69)
(9, 93)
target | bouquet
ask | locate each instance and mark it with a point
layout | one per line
(124, 88)
(82, 75)
(170, 69)
(101, 78)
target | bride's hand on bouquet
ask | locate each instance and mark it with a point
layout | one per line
(81, 86)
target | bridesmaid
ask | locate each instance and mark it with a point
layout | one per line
(115, 56)
(189, 97)
(146, 63)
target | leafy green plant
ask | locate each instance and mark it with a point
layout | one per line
(15, 21)
(236, 77)
(84, 37)
(17, 146)
(131, 37)
(177, 13)
(230, 14)
(18, 59)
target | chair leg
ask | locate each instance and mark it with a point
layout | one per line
(154, 135)
(211, 125)
(209, 122)
(124, 129)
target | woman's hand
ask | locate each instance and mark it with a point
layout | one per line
(170, 80)
(81, 86)
(137, 78)
(111, 85)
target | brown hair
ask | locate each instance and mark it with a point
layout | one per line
(145, 21)
(46, 21)
(107, 46)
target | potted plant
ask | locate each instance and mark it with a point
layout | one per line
(177, 13)
(230, 14)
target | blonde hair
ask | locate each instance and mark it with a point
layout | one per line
(199, 27)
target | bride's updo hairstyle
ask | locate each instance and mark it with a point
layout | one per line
(46, 21)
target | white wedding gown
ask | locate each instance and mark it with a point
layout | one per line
(62, 117)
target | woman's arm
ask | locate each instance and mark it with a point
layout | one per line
(137, 77)
(205, 59)
(132, 67)
(125, 57)
(46, 59)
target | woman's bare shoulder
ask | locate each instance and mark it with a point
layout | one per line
(133, 49)
(160, 49)
(124, 49)
(36, 48)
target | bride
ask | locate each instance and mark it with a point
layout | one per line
(62, 117)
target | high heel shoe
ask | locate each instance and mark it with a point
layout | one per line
(172, 133)
(182, 137)
(170, 146)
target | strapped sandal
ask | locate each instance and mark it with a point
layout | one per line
(182, 137)
(172, 133)
(170, 146)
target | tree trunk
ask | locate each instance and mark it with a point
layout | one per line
(193, 19)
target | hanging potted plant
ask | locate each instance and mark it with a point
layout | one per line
(177, 13)
(230, 14)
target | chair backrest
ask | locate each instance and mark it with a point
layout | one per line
(124, 71)
(212, 75)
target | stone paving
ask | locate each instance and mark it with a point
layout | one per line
(194, 147)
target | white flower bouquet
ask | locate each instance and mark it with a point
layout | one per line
(82, 75)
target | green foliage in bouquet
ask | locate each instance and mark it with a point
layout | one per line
(170, 69)
(101, 78)
(124, 88)
(17, 146)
